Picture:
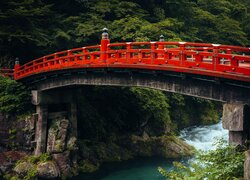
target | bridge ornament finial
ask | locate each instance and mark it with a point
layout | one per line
(215, 45)
(16, 67)
(182, 42)
(105, 34)
(162, 38)
(17, 61)
(104, 45)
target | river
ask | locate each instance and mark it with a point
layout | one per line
(201, 137)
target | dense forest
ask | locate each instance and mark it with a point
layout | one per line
(32, 28)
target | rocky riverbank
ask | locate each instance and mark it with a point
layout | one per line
(113, 124)
(92, 154)
(68, 156)
(89, 157)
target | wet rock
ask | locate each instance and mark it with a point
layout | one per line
(48, 170)
(8, 160)
(173, 147)
(164, 146)
(94, 153)
(63, 162)
(24, 167)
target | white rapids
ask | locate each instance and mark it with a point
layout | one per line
(204, 137)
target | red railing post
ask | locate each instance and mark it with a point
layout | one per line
(182, 53)
(161, 47)
(152, 52)
(128, 53)
(215, 55)
(16, 67)
(104, 45)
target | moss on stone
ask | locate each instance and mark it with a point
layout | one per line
(95, 153)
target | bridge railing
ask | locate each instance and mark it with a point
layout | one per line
(6, 72)
(198, 58)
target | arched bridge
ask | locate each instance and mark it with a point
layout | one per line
(212, 71)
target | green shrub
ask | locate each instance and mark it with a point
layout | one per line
(14, 97)
(223, 163)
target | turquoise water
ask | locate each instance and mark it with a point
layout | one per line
(201, 137)
(136, 169)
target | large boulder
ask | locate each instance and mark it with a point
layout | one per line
(8, 160)
(65, 163)
(164, 146)
(24, 167)
(48, 170)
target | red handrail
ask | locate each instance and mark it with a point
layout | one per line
(6, 72)
(226, 61)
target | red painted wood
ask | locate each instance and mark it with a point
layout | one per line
(224, 61)
(6, 72)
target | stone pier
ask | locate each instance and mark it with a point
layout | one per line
(247, 165)
(41, 129)
(45, 99)
(236, 120)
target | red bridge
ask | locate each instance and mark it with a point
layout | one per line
(220, 61)
(210, 71)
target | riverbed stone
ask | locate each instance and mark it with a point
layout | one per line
(48, 170)
(63, 162)
(164, 146)
(8, 160)
(24, 167)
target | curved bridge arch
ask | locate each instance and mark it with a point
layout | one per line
(211, 71)
(212, 64)
(191, 85)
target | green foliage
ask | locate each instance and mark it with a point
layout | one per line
(33, 28)
(36, 159)
(23, 25)
(223, 163)
(188, 111)
(108, 111)
(14, 97)
(153, 104)
(31, 162)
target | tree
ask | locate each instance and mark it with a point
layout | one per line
(24, 28)
(14, 97)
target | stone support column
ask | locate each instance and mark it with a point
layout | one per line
(247, 165)
(234, 119)
(41, 129)
(73, 111)
(73, 117)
